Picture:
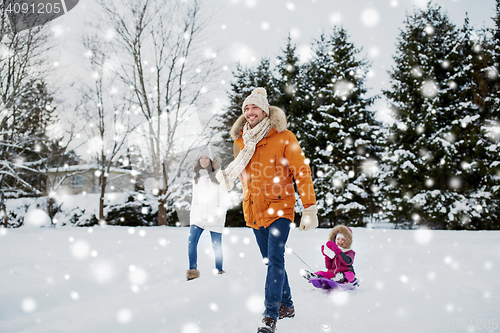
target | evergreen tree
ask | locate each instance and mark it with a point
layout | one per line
(41, 152)
(289, 84)
(35, 152)
(435, 155)
(338, 133)
(490, 83)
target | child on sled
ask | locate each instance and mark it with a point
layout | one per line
(339, 257)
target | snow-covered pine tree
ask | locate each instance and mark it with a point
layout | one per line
(36, 113)
(434, 153)
(289, 82)
(338, 131)
(20, 62)
(490, 94)
(474, 204)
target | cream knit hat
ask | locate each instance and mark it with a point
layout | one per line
(257, 97)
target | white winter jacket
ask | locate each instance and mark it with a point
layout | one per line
(209, 204)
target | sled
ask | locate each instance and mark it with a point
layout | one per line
(324, 283)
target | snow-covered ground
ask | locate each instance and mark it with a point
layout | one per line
(120, 279)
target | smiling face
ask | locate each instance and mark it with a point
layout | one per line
(340, 241)
(204, 162)
(254, 114)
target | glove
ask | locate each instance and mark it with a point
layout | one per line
(309, 218)
(223, 181)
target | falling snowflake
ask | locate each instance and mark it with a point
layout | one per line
(455, 183)
(74, 295)
(214, 307)
(124, 316)
(336, 18)
(137, 276)
(28, 305)
(429, 30)
(191, 328)
(339, 298)
(80, 250)
(255, 304)
(423, 236)
(370, 17)
(343, 88)
(429, 89)
(102, 271)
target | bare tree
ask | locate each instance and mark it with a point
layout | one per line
(106, 113)
(161, 57)
(20, 64)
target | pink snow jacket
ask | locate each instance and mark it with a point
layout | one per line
(343, 260)
(340, 263)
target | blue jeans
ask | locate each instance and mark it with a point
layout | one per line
(194, 236)
(271, 241)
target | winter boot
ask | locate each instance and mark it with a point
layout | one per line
(192, 274)
(308, 275)
(270, 326)
(286, 312)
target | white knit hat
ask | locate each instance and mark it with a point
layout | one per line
(208, 152)
(339, 235)
(257, 97)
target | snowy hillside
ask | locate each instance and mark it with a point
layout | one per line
(115, 279)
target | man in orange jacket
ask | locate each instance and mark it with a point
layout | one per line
(267, 160)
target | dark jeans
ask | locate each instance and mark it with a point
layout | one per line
(194, 236)
(271, 241)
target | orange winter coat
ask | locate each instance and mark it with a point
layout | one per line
(267, 181)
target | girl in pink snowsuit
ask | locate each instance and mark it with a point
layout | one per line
(339, 257)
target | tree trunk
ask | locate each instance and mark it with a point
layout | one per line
(162, 209)
(102, 183)
(4, 210)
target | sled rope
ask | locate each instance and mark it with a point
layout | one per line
(312, 270)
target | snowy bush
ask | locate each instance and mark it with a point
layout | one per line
(37, 218)
(132, 213)
(125, 209)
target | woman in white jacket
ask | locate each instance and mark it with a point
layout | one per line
(208, 212)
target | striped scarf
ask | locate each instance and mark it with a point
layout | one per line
(251, 136)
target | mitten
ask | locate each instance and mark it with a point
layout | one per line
(328, 260)
(334, 247)
(309, 218)
(224, 181)
(331, 249)
(323, 250)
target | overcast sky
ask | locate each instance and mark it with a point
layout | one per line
(248, 30)
(255, 29)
